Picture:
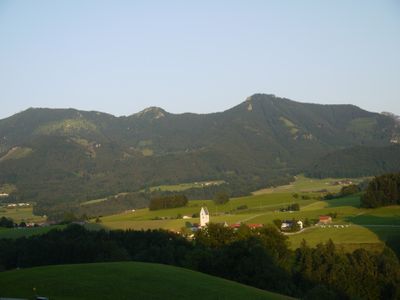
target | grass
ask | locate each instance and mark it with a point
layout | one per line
(123, 280)
(352, 235)
(171, 188)
(144, 218)
(290, 125)
(16, 153)
(185, 186)
(147, 152)
(369, 227)
(14, 233)
(67, 126)
(20, 214)
(305, 185)
(362, 124)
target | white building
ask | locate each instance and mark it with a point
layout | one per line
(288, 224)
(204, 217)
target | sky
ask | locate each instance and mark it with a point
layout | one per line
(197, 56)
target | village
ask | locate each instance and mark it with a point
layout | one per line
(285, 226)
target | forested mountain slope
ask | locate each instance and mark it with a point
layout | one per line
(65, 155)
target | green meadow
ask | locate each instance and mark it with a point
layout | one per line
(367, 228)
(123, 280)
(185, 186)
(20, 214)
(13, 233)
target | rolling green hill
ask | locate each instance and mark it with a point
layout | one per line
(126, 280)
(63, 157)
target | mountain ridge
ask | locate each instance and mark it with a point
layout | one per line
(68, 155)
(149, 108)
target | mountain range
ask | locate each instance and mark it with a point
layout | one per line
(68, 156)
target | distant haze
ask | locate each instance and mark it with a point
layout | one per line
(123, 56)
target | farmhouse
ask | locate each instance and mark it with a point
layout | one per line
(255, 226)
(288, 224)
(204, 217)
(251, 226)
(325, 219)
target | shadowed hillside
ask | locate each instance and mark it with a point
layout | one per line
(127, 280)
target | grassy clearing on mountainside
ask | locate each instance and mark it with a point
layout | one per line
(124, 280)
(16, 153)
(20, 214)
(185, 186)
(305, 184)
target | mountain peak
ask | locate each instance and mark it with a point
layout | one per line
(252, 101)
(152, 112)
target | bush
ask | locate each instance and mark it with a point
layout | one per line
(278, 223)
(6, 222)
(221, 198)
(349, 190)
(294, 207)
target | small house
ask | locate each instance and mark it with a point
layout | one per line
(204, 217)
(251, 226)
(288, 224)
(325, 219)
(300, 223)
(255, 226)
(235, 226)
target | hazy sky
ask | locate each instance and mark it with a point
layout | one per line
(198, 56)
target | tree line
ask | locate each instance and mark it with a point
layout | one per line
(163, 202)
(260, 258)
(382, 191)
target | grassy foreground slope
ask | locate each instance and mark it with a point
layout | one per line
(123, 280)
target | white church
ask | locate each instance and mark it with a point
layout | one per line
(204, 217)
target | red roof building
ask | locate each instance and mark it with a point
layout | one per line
(254, 226)
(325, 219)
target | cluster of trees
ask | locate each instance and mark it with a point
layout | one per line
(260, 258)
(9, 223)
(292, 207)
(350, 190)
(357, 275)
(344, 191)
(6, 222)
(221, 198)
(382, 191)
(172, 201)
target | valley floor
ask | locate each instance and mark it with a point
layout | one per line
(367, 228)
